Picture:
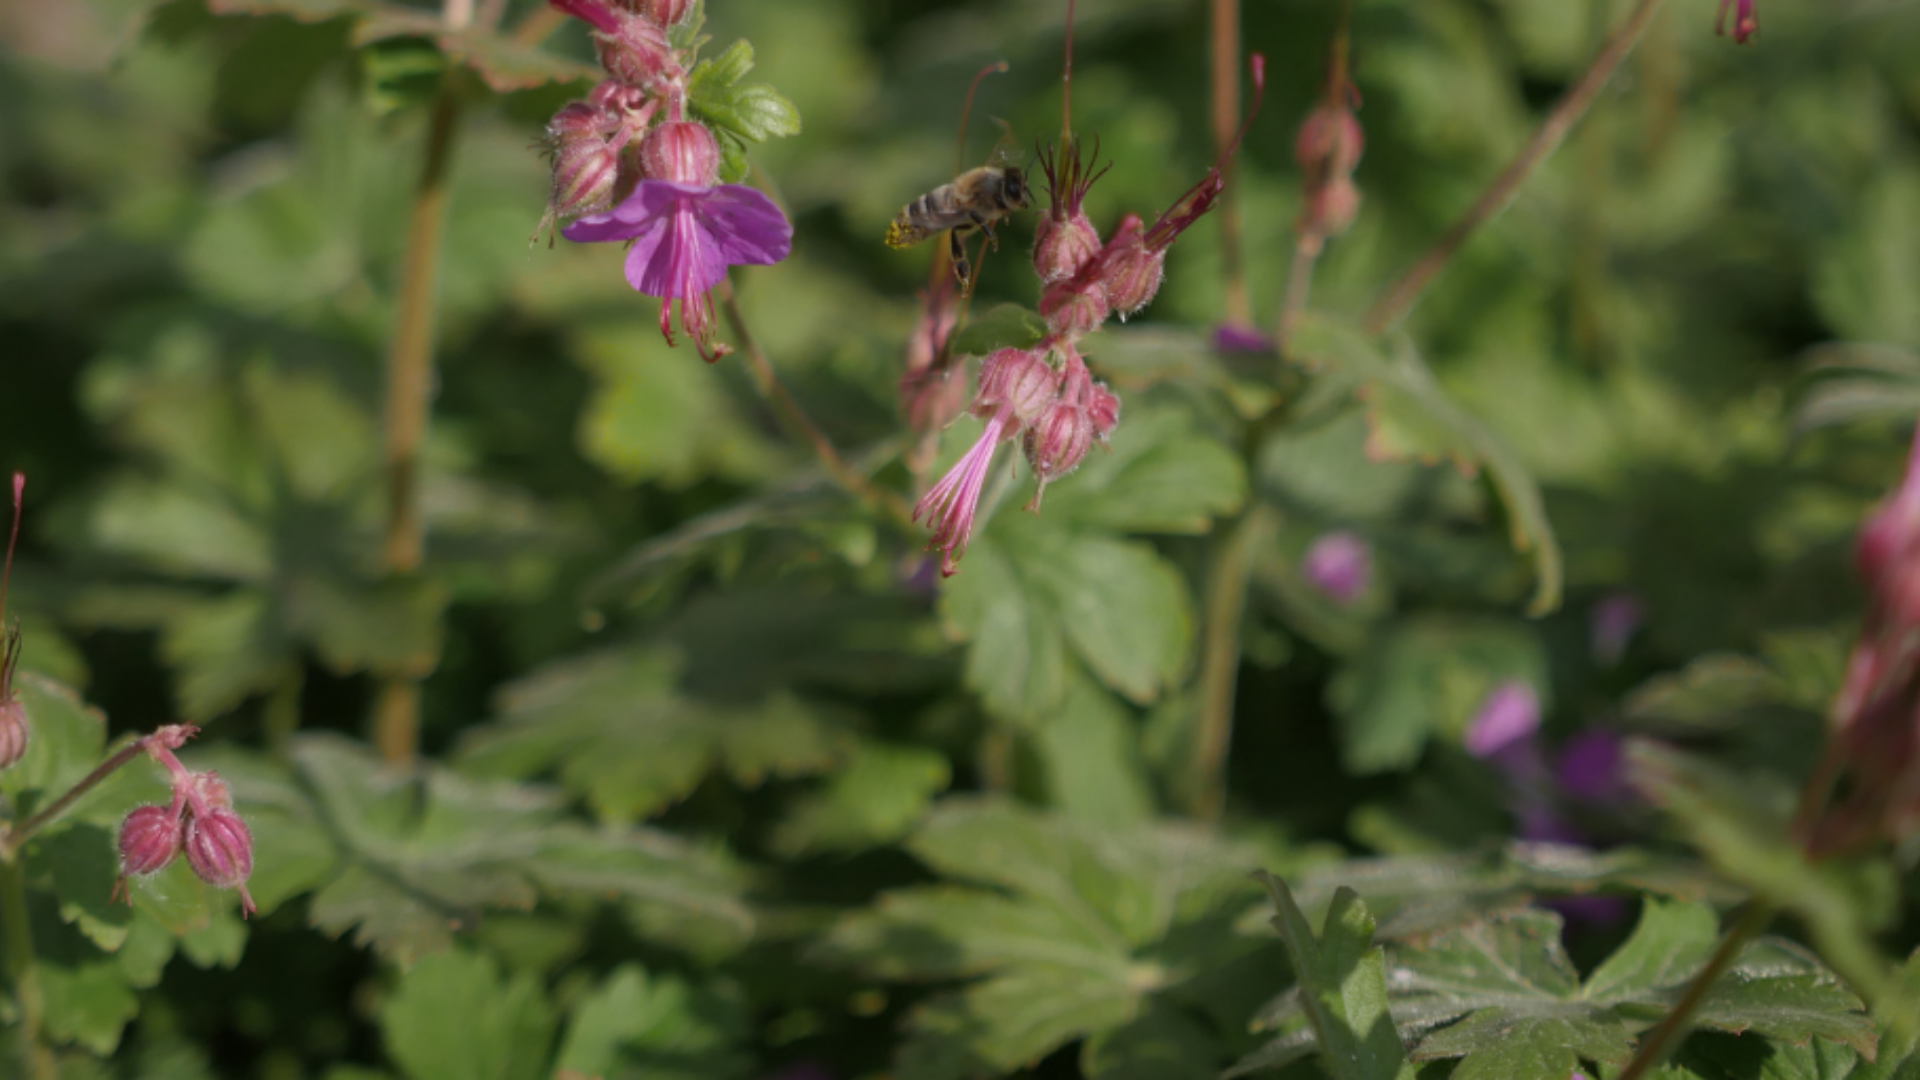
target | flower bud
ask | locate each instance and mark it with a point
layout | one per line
(585, 171)
(666, 12)
(149, 839)
(683, 152)
(1062, 248)
(635, 50)
(1020, 380)
(1103, 408)
(13, 732)
(1059, 442)
(1073, 308)
(1130, 270)
(220, 849)
(1330, 141)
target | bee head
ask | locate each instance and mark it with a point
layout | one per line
(1014, 183)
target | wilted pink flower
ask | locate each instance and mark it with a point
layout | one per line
(149, 839)
(1339, 564)
(684, 238)
(1746, 19)
(950, 506)
(1614, 621)
(1510, 714)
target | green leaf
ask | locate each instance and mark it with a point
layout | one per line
(1498, 1046)
(1089, 752)
(1122, 609)
(754, 112)
(88, 1003)
(1670, 944)
(1161, 1045)
(620, 734)
(1157, 477)
(1071, 932)
(878, 798)
(1343, 986)
(1427, 676)
(1002, 326)
(454, 1014)
(656, 1026)
(1850, 382)
(1413, 418)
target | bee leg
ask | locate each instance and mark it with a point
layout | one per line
(980, 222)
(957, 250)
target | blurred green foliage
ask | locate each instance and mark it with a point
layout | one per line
(720, 781)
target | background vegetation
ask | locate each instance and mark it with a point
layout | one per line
(714, 777)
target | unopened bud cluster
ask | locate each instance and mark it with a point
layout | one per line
(199, 822)
(633, 126)
(1327, 150)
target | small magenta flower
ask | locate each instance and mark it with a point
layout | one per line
(1746, 19)
(1229, 338)
(1509, 717)
(1591, 767)
(684, 238)
(150, 837)
(1340, 565)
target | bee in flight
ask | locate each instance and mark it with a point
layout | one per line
(973, 202)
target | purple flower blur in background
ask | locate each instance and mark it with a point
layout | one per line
(1240, 339)
(1616, 618)
(684, 238)
(1509, 717)
(1339, 564)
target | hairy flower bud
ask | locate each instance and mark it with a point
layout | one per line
(1022, 381)
(1130, 270)
(1058, 442)
(13, 733)
(666, 12)
(633, 48)
(1073, 308)
(1103, 408)
(586, 169)
(149, 839)
(683, 152)
(220, 849)
(1062, 248)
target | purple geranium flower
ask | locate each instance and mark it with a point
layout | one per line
(684, 237)
(1507, 718)
(1339, 564)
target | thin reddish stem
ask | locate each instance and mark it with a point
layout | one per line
(13, 541)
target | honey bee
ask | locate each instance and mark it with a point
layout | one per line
(973, 202)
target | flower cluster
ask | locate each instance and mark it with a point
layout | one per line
(632, 165)
(1876, 716)
(1746, 19)
(200, 821)
(1044, 396)
(13, 716)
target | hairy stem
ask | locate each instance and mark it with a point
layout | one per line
(775, 394)
(1228, 573)
(396, 713)
(1226, 120)
(1400, 298)
(23, 974)
(1663, 1039)
(17, 836)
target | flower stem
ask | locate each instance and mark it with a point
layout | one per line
(775, 393)
(23, 974)
(396, 713)
(17, 836)
(1226, 604)
(1306, 255)
(1226, 120)
(1664, 1038)
(1400, 298)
